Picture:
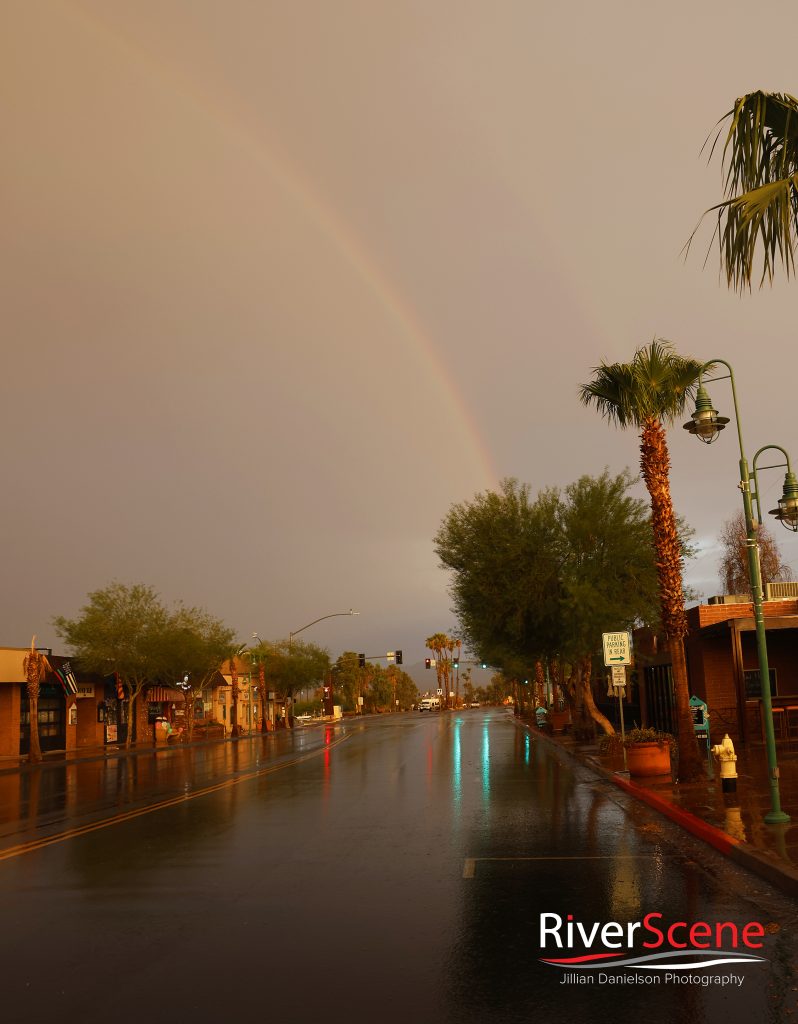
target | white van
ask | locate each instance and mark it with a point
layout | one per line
(429, 704)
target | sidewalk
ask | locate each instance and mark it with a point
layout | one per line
(20, 762)
(732, 823)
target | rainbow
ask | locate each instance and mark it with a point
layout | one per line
(326, 219)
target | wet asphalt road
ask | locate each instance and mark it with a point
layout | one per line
(388, 870)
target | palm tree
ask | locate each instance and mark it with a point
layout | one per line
(760, 161)
(438, 643)
(647, 394)
(34, 665)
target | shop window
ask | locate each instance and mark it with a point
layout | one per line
(753, 686)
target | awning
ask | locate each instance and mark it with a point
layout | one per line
(162, 694)
(746, 624)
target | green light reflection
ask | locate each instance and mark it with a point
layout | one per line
(457, 768)
(485, 762)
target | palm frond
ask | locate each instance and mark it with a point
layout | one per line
(760, 162)
(766, 215)
(656, 383)
(762, 142)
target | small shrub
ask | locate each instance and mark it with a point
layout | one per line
(611, 745)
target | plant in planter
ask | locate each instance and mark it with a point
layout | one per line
(649, 752)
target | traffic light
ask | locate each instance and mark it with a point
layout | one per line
(456, 663)
(428, 663)
(361, 660)
(398, 658)
(484, 664)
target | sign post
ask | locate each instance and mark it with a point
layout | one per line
(618, 654)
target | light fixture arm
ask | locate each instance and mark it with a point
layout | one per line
(730, 377)
(321, 618)
(775, 465)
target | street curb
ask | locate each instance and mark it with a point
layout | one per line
(710, 834)
(121, 752)
(781, 876)
(145, 748)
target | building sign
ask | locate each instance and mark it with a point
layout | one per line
(85, 690)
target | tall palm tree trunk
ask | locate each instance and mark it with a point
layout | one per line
(655, 467)
(34, 665)
(35, 752)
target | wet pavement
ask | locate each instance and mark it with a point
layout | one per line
(739, 814)
(391, 869)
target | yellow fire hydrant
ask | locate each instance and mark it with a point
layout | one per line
(728, 764)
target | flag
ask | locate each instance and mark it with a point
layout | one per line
(61, 679)
(67, 679)
(120, 689)
(71, 682)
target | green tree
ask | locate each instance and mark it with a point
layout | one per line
(290, 666)
(609, 579)
(379, 693)
(760, 165)
(121, 629)
(541, 580)
(646, 394)
(194, 644)
(502, 551)
(402, 688)
(348, 680)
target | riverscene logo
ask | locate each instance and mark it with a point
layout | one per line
(612, 953)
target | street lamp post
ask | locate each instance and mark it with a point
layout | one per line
(267, 706)
(706, 424)
(328, 702)
(302, 629)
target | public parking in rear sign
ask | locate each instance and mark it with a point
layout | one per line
(617, 648)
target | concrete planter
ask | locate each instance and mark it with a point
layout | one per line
(648, 759)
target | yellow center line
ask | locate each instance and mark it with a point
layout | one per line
(117, 819)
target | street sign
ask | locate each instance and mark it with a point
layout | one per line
(617, 648)
(618, 676)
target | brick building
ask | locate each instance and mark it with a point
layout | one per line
(66, 721)
(723, 668)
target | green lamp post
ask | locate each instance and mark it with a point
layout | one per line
(706, 424)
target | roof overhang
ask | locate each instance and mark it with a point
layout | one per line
(748, 625)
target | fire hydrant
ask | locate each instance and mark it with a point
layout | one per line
(728, 764)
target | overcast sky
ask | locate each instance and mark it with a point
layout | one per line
(282, 281)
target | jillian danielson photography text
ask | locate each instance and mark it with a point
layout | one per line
(671, 978)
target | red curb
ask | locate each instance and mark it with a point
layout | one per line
(780, 875)
(709, 833)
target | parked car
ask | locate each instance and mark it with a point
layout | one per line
(474, 704)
